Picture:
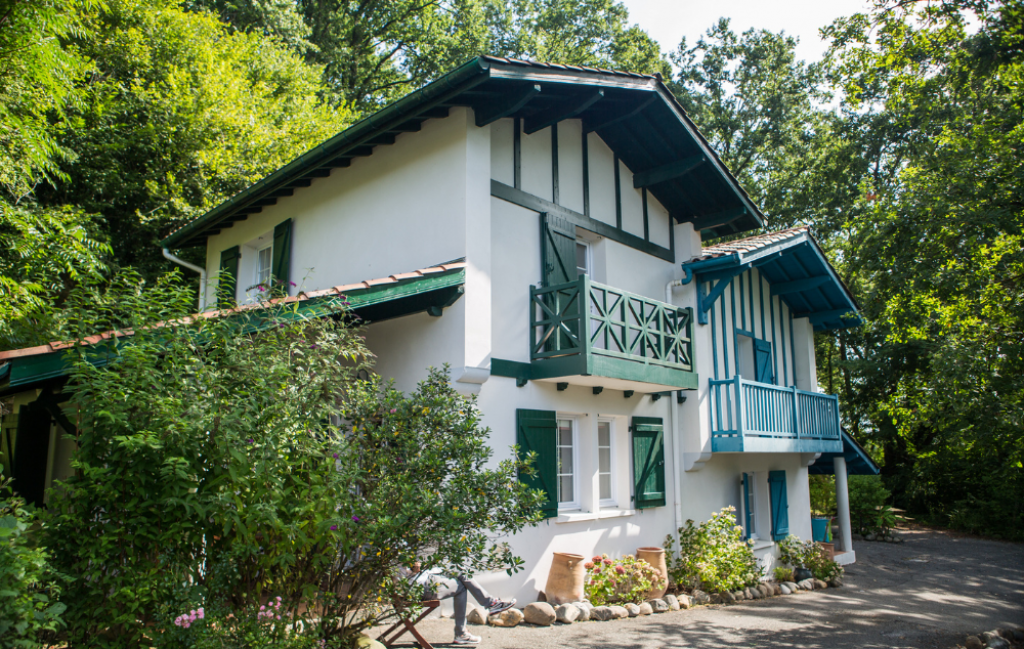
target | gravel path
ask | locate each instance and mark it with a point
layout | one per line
(930, 592)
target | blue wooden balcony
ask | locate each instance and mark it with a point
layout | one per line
(752, 417)
(589, 334)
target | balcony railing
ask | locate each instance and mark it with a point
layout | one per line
(587, 328)
(757, 417)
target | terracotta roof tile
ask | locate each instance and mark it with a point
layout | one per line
(749, 244)
(337, 290)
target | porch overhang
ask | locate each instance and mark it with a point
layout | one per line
(428, 290)
(858, 462)
(792, 263)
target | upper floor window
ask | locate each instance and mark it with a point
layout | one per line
(263, 261)
(583, 265)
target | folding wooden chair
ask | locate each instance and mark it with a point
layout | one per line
(407, 625)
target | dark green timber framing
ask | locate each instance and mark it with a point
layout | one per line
(636, 115)
(430, 293)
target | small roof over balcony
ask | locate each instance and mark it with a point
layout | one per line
(858, 462)
(795, 266)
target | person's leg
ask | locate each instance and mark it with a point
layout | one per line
(478, 591)
(444, 588)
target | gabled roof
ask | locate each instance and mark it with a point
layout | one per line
(427, 289)
(796, 268)
(635, 114)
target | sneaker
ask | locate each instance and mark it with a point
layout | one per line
(498, 606)
(466, 638)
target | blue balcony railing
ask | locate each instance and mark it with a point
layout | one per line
(758, 417)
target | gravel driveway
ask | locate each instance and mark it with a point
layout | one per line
(931, 591)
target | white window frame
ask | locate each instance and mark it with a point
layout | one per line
(573, 505)
(588, 256)
(270, 263)
(612, 502)
(752, 480)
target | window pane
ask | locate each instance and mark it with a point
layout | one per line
(565, 460)
(565, 494)
(581, 258)
(606, 486)
(604, 434)
(604, 457)
(263, 258)
(565, 433)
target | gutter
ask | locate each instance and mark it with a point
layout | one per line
(191, 266)
(677, 443)
(458, 80)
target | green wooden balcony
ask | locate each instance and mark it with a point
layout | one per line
(752, 417)
(589, 334)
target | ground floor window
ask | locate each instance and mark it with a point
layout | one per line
(605, 463)
(568, 446)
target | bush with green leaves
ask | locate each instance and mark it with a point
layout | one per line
(620, 581)
(226, 460)
(823, 494)
(870, 512)
(29, 588)
(783, 574)
(712, 555)
(811, 556)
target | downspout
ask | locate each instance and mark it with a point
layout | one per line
(191, 266)
(673, 423)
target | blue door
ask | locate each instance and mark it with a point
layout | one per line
(763, 361)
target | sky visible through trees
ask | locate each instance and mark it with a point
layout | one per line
(900, 146)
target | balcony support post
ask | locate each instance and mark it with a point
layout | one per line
(741, 412)
(843, 503)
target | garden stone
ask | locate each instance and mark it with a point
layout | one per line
(1018, 635)
(819, 584)
(700, 597)
(646, 609)
(567, 613)
(619, 612)
(729, 597)
(973, 642)
(510, 617)
(806, 584)
(778, 589)
(738, 595)
(998, 643)
(869, 537)
(836, 583)
(785, 589)
(658, 605)
(747, 594)
(585, 611)
(602, 613)
(477, 616)
(632, 609)
(685, 601)
(1007, 633)
(673, 602)
(791, 585)
(766, 590)
(539, 613)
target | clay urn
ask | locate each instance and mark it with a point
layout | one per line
(655, 557)
(565, 579)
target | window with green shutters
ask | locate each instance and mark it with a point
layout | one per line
(537, 430)
(780, 504)
(648, 462)
(229, 274)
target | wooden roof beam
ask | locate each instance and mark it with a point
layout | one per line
(667, 172)
(412, 126)
(799, 285)
(590, 127)
(505, 106)
(561, 112)
(718, 218)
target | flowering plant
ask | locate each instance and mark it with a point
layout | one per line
(712, 555)
(809, 555)
(620, 580)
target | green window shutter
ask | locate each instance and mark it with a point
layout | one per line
(281, 263)
(763, 361)
(780, 504)
(229, 275)
(32, 451)
(558, 251)
(648, 462)
(537, 430)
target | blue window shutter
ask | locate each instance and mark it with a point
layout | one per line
(763, 361)
(780, 504)
(748, 506)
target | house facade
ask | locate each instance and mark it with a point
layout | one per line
(541, 229)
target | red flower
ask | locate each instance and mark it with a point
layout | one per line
(620, 570)
(597, 571)
(596, 559)
(607, 562)
(588, 565)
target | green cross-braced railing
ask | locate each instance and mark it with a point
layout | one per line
(584, 317)
(742, 411)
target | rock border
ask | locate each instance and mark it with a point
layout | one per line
(543, 614)
(996, 639)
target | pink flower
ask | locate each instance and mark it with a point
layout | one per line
(607, 562)
(394, 410)
(588, 565)
(597, 571)
(596, 559)
(620, 570)
(201, 613)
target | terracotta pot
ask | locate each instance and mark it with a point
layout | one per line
(565, 579)
(830, 548)
(655, 557)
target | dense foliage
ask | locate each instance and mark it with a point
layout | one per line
(620, 581)
(712, 555)
(29, 608)
(212, 453)
(811, 556)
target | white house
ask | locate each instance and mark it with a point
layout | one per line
(556, 215)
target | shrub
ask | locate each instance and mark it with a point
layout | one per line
(712, 555)
(823, 494)
(620, 580)
(29, 610)
(870, 512)
(783, 574)
(811, 556)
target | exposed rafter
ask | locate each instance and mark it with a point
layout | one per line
(505, 106)
(667, 172)
(719, 218)
(591, 126)
(799, 285)
(564, 111)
